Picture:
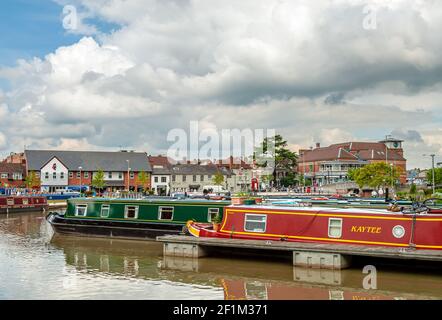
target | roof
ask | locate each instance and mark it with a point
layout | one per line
(89, 160)
(357, 151)
(196, 169)
(160, 164)
(11, 168)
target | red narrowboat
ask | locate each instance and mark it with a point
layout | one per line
(419, 228)
(12, 204)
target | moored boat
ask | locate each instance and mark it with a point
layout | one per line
(419, 227)
(132, 218)
(12, 204)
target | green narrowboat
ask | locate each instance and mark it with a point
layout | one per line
(132, 218)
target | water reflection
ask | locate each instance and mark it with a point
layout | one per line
(47, 265)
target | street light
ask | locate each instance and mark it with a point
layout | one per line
(81, 182)
(432, 166)
(128, 177)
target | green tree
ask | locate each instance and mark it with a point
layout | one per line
(413, 189)
(375, 175)
(289, 180)
(98, 180)
(276, 149)
(218, 179)
(143, 179)
(437, 176)
(31, 180)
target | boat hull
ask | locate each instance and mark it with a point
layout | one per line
(115, 229)
(358, 227)
(17, 204)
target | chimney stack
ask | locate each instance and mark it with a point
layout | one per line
(318, 145)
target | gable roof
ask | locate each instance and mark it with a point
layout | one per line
(89, 160)
(160, 165)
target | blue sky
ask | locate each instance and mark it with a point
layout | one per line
(30, 28)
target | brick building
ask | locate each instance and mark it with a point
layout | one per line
(12, 175)
(326, 165)
(69, 169)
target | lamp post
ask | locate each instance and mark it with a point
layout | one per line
(128, 177)
(81, 182)
(432, 166)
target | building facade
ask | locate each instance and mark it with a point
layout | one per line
(58, 170)
(161, 175)
(328, 165)
(195, 177)
(12, 175)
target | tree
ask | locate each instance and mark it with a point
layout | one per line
(143, 179)
(437, 176)
(31, 180)
(98, 180)
(289, 180)
(375, 175)
(413, 189)
(218, 179)
(276, 149)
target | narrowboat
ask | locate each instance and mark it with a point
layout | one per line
(419, 227)
(12, 204)
(132, 218)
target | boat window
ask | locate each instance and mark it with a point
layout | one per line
(105, 211)
(165, 213)
(131, 212)
(10, 202)
(255, 223)
(213, 212)
(334, 228)
(25, 201)
(81, 210)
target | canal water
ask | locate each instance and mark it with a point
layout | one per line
(35, 263)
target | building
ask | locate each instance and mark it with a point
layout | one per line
(15, 158)
(12, 175)
(327, 165)
(242, 176)
(191, 177)
(69, 169)
(161, 174)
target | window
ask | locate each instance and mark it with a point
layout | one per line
(334, 228)
(46, 175)
(132, 175)
(184, 178)
(174, 178)
(81, 210)
(163, 179)
(109, 175)
(209, 176)
(194, 178)
(17, 176)
(165, 213)
(202, 178)
(61, 175)
(105, 211)
(10, 202)
(25, 201)
(86, 175)
(37, 174)
(131, 212)
(54, 175)
(78, 175)
(213, 212)
(71, 175)
(120, 175)
(156, 179)
(4, 176)
(255, 223)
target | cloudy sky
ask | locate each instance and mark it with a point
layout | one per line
(126, 72)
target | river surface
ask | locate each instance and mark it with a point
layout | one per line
(35, 263)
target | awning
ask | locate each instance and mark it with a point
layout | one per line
(194, 186)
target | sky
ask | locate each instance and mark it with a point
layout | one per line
(124, 73)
